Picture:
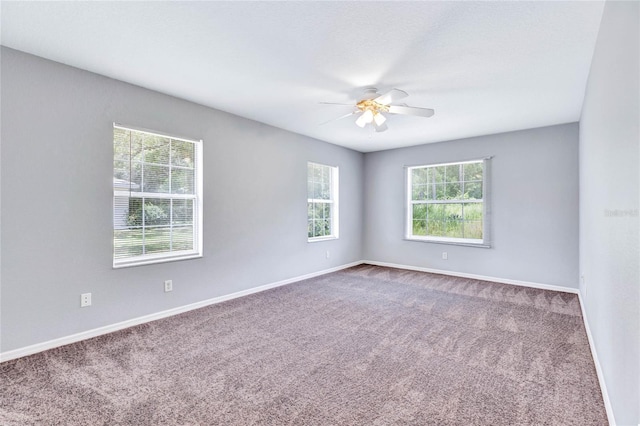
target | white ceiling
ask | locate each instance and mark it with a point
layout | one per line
(485, 67)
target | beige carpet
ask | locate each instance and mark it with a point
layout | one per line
(364, 346)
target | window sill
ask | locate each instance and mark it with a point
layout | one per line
(318, 239)
(449, 241)
(151, 261)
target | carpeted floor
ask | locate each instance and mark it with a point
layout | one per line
(363, 346)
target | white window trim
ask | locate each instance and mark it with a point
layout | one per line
(485, 242)
(197, 252)
(335, 211)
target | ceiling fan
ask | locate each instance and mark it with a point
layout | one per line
(372, 106)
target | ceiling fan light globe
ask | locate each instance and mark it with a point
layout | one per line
(368, 116)
(361, 121)
(379, 119)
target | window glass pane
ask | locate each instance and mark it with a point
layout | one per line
(473, 171)
(137, 144)
(419, 212)
(419, 176)
(317, 173)
(157, 240)
(435, 227)
(157, 211)
(435, 211)
(437, 174)
(121, 144)
(453, 220)
(182, 212)
(473, 190)
(136, 176)
(120, 212)
(326, 175)
(182, 181)
(421, 191)
(453, 173)
(309, 188)
(431, 191)
(182, 238)
(473, 229)
(473, 211)
(127, 243)
(134, 212)
(156, 149)
(156, 178)
(325, 189)
(322, 228)
(183, 153)
(126, 144)
(453, 212)
(453, 191)
(121, 173)
(454, 229)
(419, 227)
(318, 211)
(327, 211)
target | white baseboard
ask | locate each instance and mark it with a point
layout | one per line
(40, 347)
(476, 277)
(594, 354)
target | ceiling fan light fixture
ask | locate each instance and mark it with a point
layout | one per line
(379, 118)
(372, 105)
(368, 116)
(365, 118)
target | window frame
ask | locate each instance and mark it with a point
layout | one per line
(485, 242)
(333, 201)
(154, 258)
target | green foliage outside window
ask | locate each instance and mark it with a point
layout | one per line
(320, 204)
(144, 165)
(447, 201)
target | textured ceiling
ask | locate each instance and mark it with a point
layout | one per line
(485, 67)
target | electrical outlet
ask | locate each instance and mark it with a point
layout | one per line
(445, 256)
(168, 286)
(85, 300)
(328, 254)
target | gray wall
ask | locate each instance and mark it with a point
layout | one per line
(534, 205)
(609, 203)
(57, 153)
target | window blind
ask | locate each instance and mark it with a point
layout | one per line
(156, 197)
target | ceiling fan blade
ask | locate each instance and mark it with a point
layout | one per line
(339, 118)
(391, 96)
(380, 128)
(407, 110)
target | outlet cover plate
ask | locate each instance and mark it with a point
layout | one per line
(85, 300)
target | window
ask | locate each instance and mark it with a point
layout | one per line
(322, 202)
(447, 203)
(157, 197)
